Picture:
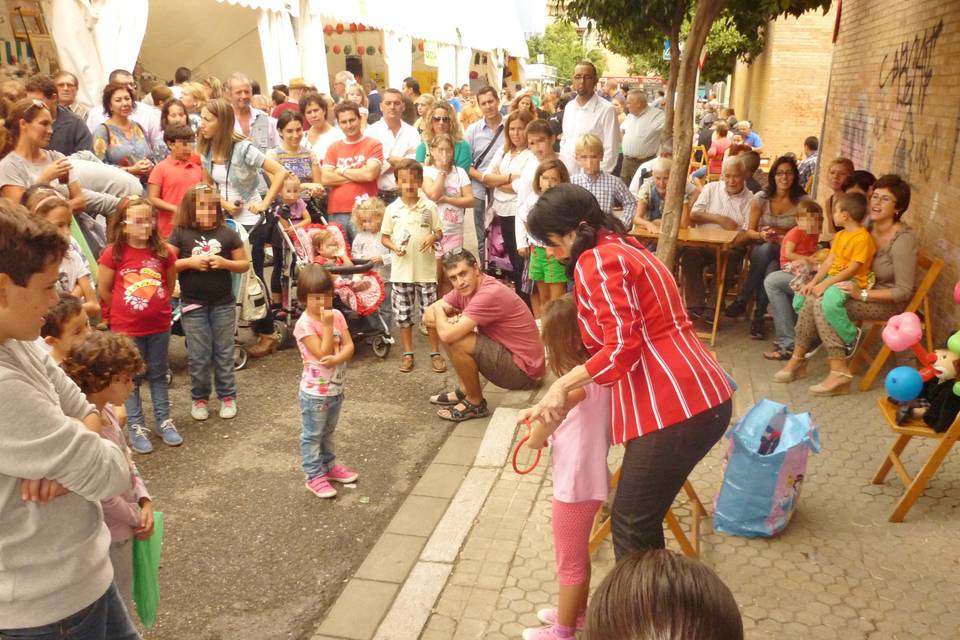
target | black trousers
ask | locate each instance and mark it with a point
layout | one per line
(509, 230)
(654, 469)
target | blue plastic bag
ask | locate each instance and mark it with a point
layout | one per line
(764, 469)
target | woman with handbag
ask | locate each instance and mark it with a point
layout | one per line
(120, 140)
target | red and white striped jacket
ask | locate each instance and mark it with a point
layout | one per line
(634, 324)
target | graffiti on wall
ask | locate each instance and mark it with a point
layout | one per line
(908, 71)
(859, 135)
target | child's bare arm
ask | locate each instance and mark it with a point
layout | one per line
(540, 430)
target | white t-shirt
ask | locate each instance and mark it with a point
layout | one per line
(451, 217)
(73, 267)
(323, 143)
(244, 216)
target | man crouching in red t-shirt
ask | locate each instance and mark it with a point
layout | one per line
(485, 328)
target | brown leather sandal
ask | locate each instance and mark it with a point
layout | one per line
(438, 363)
(406, 362)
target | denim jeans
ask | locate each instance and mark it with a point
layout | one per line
(105, 619)
(344, 220)
(153, 349)
(777, 287)
(479, 209)
(209, 334)
(654, 468)
(319, 415)
(764, 258)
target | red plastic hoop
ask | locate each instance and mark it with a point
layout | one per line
(516, 452)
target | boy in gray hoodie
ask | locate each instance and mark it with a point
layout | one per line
(55, 572)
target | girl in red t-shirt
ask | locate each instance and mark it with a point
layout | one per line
(137, 276)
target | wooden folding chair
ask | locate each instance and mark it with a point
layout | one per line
(698, 158)
(689, 544)
(913, 429)
(933, 267)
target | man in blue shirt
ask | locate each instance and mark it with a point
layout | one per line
(451, 97)
(751, 138)
(485, 137)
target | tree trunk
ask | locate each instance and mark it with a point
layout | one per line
(670, 97)
(707, 11)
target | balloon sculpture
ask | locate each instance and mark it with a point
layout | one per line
(905, 332)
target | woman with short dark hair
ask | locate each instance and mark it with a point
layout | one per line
(894, 266)
(671, 400)
(120, 140)
(321, 134)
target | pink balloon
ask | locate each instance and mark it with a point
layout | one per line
(902, 331)
(956, 293)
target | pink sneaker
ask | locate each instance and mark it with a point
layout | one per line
(339, 473)
(549, 617)
(544, 633)
(320, 487)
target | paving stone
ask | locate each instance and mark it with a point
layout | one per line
(411, 609)
(440, 480)
(418, 516)
(359, 609)
(458, 450)
(391, 558)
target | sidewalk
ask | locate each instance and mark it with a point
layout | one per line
(475, 559)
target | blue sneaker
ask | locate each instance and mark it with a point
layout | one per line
(139, 438)
(168, 431)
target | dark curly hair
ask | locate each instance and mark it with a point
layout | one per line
(796, 189)
(96, 360)
(57, 316)
(111, 89)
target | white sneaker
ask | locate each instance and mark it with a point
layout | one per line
(228, 407)
(199, 410)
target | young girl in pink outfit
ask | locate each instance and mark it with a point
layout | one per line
(581, 477)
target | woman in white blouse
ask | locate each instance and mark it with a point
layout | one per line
(504, 174)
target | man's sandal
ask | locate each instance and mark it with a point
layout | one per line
(443, 398)
(469, 411)
(438, 363)
(406, 362)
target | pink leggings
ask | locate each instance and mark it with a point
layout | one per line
(571, 523)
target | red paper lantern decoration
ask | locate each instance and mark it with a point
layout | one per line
(359, 51)
(420, 46)
(339, 28)
(380, 49)
(336, 49)
(353, 27)
(328, 29)
(362, 28)
(474, 75)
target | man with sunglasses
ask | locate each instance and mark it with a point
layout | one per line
(486, 329)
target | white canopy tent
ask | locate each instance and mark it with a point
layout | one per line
(94, 37)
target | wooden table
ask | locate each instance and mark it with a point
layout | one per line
(720, 241)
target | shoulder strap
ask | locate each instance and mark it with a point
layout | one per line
(484, 153)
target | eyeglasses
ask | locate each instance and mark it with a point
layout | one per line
(441, 118)
(66, 85)
(884, 199)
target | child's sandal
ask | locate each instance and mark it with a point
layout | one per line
(469, 411)
(438, 363)
(406, 362)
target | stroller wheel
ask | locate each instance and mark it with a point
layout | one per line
(239, 357)
(380, 346)
(281, 332)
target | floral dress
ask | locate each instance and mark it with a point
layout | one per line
(111, 144)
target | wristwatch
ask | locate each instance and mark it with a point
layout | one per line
(863, 295)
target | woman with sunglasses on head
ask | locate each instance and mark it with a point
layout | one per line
(671, 400)
(443, 119)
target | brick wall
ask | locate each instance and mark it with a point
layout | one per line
(784, 91)
(894, 107)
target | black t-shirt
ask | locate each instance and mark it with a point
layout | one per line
(214, 287)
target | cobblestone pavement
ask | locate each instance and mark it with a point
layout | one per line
(840, 570)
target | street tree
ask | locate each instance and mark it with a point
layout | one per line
(631, 26)
(562, 47)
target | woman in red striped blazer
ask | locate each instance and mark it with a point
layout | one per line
(671, 400)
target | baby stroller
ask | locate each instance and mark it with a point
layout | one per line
(359, 288)
(250, 295)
